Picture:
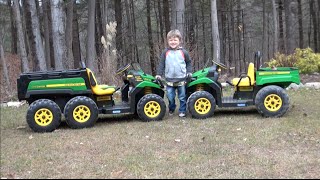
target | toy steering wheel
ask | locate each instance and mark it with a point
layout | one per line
(220, 64)
(122, 69)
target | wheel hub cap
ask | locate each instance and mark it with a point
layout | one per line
(152, 109)
(81, 113)
(273, 102)
(202, 106)
(43, 117)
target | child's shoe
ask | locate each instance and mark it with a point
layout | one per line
(182, 114)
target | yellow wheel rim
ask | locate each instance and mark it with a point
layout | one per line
(43, 117)
(152, 109)
(202, 106)
(273, 102)
(81, 113)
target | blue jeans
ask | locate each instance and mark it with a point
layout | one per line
(171, 94)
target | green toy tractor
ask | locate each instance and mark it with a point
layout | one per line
(263, 88)
(77, 95)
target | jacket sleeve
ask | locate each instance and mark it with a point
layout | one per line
(161, 66)
(188, 61)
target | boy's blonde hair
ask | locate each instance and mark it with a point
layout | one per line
(174, 33)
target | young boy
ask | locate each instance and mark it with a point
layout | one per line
(175, 65)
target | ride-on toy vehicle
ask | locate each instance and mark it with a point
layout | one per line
(77, 95)
(263, 88)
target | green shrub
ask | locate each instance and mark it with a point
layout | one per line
(305, 59)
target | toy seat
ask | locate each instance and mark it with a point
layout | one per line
(99, 89)
(245, 79)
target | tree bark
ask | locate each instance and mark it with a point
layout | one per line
(315, 25)
(191, 25)
(180, 8)
(76, 40)
(129, 47)
(91, 50)
(300, 24)
(166, 14)
(4, 62)
(161, 23)
(289, 23)
(36, 38)
(215, 31)
(118, 16)
(276, 29)
(98, 32)
(281, 28)
(14, 47)
(58, 33)
(21, 42)
(151, 47)
(69, 30)
(264, 35)
(134, 33)
(45, 7)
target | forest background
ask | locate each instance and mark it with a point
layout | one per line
(43, 35)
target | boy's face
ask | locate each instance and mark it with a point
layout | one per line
(173, 42)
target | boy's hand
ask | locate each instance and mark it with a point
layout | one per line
(158, 77)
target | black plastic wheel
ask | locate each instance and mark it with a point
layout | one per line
(151, 107)
(43, 115)
(272, 101)
(201, 104)
(81, 112)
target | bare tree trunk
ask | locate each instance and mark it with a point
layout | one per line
(180, 8)
(134, 33)
(36, 40)
(130, 47)
(215, 31)
(75, 35)
(166, 15)
(315, 26)
(151, 47)
(203, 33)
(173, 24)
(240, 35)
(161, 23)
(69, 30)
(264, 36)
(58, 33)
(46, 32)
(281, 28)
(4, 62)
(104, 16)
(99, 33)
(14, 47)
(191, 25)
(118, 16)
(276, 29)
(300, 24)
(289, 23)
(91, 50)
(21, 42)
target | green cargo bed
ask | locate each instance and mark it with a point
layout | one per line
(282, 76)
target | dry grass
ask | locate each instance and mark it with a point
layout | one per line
(232, 144)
